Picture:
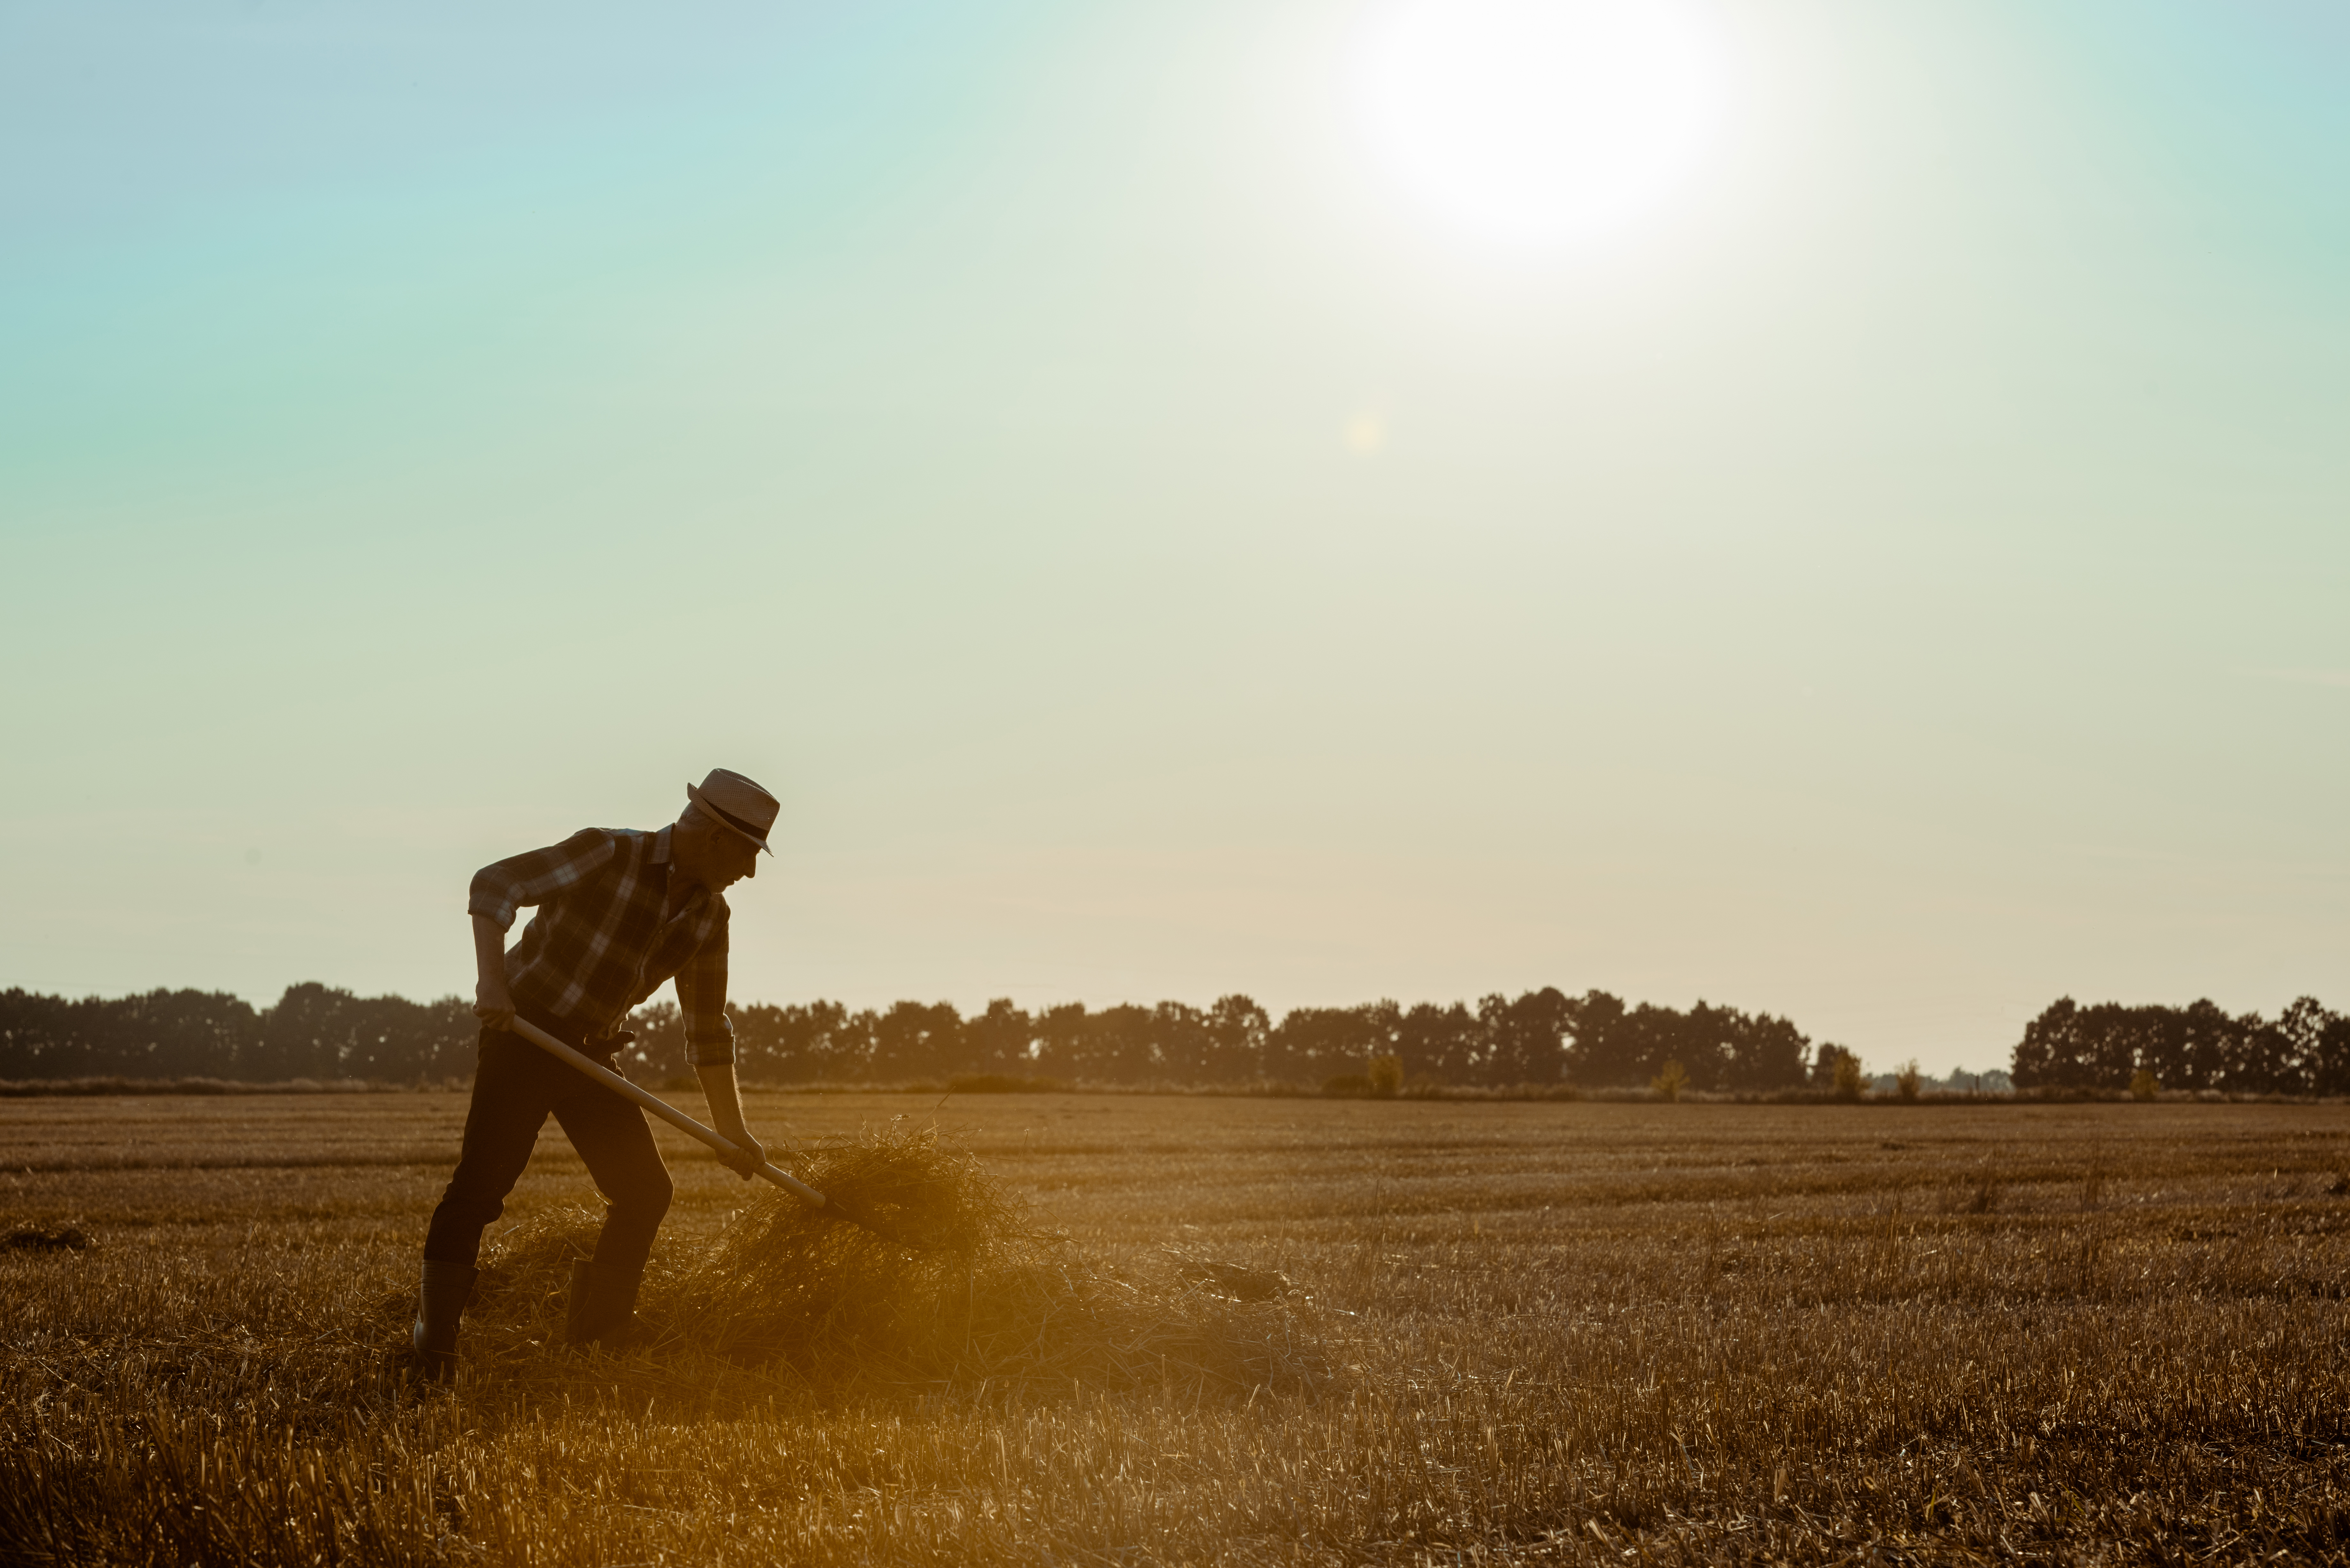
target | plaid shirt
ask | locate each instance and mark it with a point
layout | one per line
(604, 939)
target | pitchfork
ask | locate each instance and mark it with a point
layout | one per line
(694, 1129)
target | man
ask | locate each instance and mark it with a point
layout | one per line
(620, 911)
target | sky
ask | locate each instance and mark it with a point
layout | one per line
(1831, 507)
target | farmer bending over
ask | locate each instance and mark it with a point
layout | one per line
(620, 911)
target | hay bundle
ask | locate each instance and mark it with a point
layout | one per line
(48, 1239)
(986, 1297)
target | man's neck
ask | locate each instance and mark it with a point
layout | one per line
(684, 882)
(684, 877)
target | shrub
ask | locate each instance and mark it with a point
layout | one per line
(2143, 1085)
(1906, 1080)
(1386, 1076)
(1667, 1084)
(1847, 1077)
(1346, 1083)
(1002, 1084)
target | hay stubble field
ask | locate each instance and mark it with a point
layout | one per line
(1518, 1332)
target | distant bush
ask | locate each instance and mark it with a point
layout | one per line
(1386, 1076)
(1002, 1084)
(1347, 1084)
(1907, 1080)
(1668, 1083)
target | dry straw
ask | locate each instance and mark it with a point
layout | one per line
(982, 1298)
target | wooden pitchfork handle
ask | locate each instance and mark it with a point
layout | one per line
(693, 1129)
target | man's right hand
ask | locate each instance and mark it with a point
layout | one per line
(493, 1005)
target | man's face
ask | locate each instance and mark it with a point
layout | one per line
(716, 856)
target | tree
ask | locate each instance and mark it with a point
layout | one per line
(1599, 1053)
(1440, 1043)
(1311, 1043)
(2072, 1047)
(1525, 1039)
(917, 1041)
(1118, 1044)
(306, 1035)
(1639, 1044)
(798, 1044)
(1183, 1043)
(160, 1034)
(1001, 1040)
(2198, 1046)
(2258, 1059)
(2321, 1044)
(1761, 1052)
(1834, 1067)
(1848, 1080)
(37, 1039)
(1238, 1030)
(2193, 1047)
(659, 1052)
(171, 1033)
(1063, 1048)
(390, 1039)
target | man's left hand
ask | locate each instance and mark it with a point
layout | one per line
(747, 1157)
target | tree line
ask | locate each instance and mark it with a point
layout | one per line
(2305, 1050)
(1543, 1037)
(1539, 1037)
(312, 1032)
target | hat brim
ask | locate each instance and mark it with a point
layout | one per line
(725, 818)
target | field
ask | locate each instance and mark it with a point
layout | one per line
(1536, 1333)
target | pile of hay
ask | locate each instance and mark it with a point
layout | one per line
(981, 1297)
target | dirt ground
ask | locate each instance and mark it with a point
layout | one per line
(1546, 1331)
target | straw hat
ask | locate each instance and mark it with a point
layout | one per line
(738, 802)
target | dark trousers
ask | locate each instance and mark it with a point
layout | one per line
(515, 1086)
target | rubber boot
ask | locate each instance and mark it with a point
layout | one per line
(439, 1304)
(603, 1305)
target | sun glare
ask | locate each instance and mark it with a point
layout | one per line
(1539, 123)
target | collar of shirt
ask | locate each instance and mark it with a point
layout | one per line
(674, 910)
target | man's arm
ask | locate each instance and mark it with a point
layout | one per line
(504, 886)
(501, 887)
(710, 1037)
(727, 1115)
(493, 1003)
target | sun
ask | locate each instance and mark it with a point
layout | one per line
(1542, 123)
